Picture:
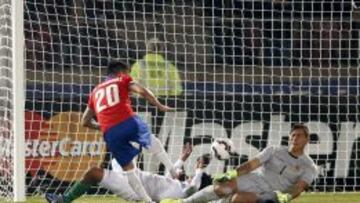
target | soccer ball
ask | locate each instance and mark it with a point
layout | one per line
(222, 148)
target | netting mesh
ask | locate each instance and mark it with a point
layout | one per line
(248, 69)
(6, 136)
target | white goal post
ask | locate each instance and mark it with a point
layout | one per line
(12, 92)
(18, 71)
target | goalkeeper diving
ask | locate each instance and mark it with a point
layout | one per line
(276, 175)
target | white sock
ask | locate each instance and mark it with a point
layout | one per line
(135, 183)
(159, 152)
(164, 158)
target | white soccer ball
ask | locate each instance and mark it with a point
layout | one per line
(222, 148)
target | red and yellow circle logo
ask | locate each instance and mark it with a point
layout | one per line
(61, 146)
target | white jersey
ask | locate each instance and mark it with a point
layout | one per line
(158, 187)
(281, 170)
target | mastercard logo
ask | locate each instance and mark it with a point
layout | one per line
(61, 146)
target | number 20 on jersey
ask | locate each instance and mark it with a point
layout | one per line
(106, 97)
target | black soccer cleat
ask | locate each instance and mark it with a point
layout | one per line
(54, 198)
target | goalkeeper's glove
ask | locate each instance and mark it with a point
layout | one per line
(224, 177)
(283, 197)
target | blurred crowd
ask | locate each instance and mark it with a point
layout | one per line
(81, 33)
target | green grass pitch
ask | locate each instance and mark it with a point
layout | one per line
(305, 198)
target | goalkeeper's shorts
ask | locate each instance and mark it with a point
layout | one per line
(253, 183)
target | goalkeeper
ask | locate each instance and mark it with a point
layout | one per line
(283, 174)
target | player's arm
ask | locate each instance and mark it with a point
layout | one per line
(298, 188)
(186, 151)
(88, 121)
(248, 166)
(244, 168)
(148, 95)
(256, 162)
(292, 193)
(301, 185)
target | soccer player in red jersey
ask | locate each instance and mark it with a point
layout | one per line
(125, 133)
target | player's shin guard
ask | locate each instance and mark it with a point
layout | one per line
(135, 183)
(158, 150)
(205, 195)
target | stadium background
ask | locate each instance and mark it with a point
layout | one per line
(256, 65)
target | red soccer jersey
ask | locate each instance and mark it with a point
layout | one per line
(110, 101)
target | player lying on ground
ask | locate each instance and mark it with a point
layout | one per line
(125, 134)
(283, 174)
(158, 187)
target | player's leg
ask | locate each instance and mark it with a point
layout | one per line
(153, 145)
(125, 142)
(114, 181)
(249, 197)
(134, 181)
(212, 192)
(267, 197)
(244, 197)
(117, 183)
(158, 150)
(251, 189)
(209, 193)
(91, 177)
(244, 183)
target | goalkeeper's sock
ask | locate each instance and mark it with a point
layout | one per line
(76, 191)
(136, 185)
(205, 195)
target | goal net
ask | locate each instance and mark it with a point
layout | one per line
(6, 138)
(242, 69)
